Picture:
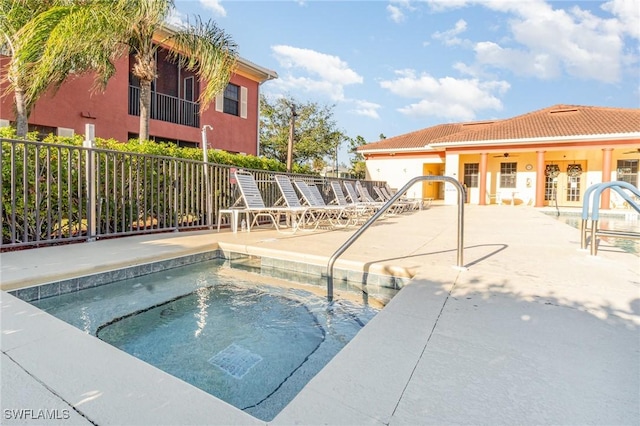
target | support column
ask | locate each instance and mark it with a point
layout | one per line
(482, 185)
(451, 168)
(605, 198)
(540, 179)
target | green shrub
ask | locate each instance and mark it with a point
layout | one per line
(53, 202)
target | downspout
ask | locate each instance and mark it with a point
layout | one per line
(258, 123)
(269, 77)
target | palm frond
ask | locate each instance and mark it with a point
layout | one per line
(209, 52)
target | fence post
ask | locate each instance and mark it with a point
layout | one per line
(90, 167)
(208, 195)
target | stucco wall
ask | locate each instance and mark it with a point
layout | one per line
(399, 171)
(76, 104)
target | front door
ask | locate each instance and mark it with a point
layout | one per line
(565, 182)
(431, 189)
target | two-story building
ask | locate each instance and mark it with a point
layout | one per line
(539, 158)
(176, 116)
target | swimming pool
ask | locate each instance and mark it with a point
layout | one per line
(627, 222)
(252, 344)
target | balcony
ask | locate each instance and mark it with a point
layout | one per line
(167, 108)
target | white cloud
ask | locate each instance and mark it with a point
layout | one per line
(447, 97)
(214, 6)
(322, 73)
(395, 13)
(367, 109)
(448, 37)
(546, 42)
(582, 44)
(628, 14)
(397, 8)
(465, 69)
(441, 5)
(177, 19)
(540, 65)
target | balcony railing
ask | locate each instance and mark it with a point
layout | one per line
(167, 108)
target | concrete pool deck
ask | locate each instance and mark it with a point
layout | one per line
(533, 331)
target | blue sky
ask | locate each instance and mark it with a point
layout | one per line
(393, 67)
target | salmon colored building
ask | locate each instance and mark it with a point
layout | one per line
(176, 116)
(540, 158)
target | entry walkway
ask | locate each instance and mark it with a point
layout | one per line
(534, 331)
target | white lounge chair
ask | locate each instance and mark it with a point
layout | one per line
(367, 198)
(335, 215)
(310, 215)
(409, 203)
(419, 203)
(360, 211)
(254, 205)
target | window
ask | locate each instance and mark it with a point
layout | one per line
(231, 99)
(508, 175)
(471, 171)
(627, 171)
(43, 131)
(188, 92)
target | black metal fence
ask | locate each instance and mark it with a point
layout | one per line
(53, 193)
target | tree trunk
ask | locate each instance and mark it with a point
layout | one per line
(145, 109)
(22, 124)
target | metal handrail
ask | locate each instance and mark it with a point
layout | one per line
(384, 208)
(597, 189)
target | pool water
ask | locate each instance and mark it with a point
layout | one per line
(252, 345)
(630, 222)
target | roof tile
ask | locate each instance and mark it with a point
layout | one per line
(552, 122)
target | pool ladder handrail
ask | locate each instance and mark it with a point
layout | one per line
(385, 207)
(597, 189)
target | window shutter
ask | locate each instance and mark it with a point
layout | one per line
(220, 102)
(243, 102)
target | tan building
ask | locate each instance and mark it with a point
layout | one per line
(534, 159)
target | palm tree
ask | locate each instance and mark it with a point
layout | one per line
(45, 42)
(15, 15)
(48, 40)
(202, 48)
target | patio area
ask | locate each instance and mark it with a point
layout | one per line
(532, 331)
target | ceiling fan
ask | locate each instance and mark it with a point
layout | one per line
(505, 155)
(637, 151)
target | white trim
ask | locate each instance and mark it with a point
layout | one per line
(531, 141)
(220, 102)
(393, 150)
(65, 132)
(185, 81)
(440, 146)
(243, 101)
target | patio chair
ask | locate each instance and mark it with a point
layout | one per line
(254, 205)
(310, 215)
(360, 212)
(409, 203)
(352, 194)
(335, 215)
(365, 197)
(419, 203)
(399, 205)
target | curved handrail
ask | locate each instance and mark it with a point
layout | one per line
(384, 208)
(594, 213)
(615, 185)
